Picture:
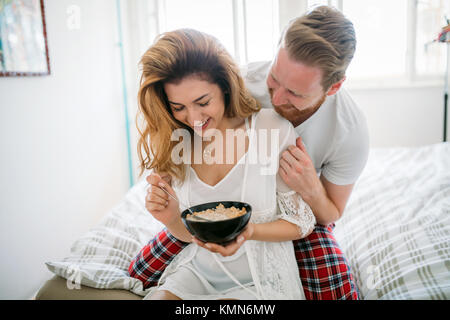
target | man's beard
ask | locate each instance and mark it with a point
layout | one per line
(295, 116)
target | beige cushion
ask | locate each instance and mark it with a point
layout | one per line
(56, 289)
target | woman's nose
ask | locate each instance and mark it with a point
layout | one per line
(194, 117)
(279, 96)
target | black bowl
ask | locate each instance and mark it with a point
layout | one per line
(222, 231)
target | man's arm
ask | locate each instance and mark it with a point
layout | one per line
(327, 200)
(329, 203)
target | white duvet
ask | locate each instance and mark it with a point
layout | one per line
(395, 231)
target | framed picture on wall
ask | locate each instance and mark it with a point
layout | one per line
(23, 39)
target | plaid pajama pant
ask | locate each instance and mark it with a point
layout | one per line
(324, 272)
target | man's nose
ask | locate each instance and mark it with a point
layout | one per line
(279, 96)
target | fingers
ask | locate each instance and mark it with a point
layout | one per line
(287, 173)
(154, 202)
(285, 165)
(156, 199)
(284, 176)
(166, 177)
(156, 183)
(153, 179)
(225, 251)
(297, 153)
(156, 192)
(289, 164)
(300, 145)
(282, 172)
(156, 195)
(287, 155)
(153, 207)
(163, 184)
(295, 158)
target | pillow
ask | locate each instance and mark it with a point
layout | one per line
(395, 231)
(101, 257)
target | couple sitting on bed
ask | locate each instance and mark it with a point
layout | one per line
(190, 82)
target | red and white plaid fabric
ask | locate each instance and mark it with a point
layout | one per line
(324, 272)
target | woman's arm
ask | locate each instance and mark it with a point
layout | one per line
(276, 231)
(179, 231)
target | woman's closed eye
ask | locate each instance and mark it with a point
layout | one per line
(181, 107)
(205, 103)
(175, 109)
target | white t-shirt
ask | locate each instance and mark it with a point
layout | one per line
(336, 136)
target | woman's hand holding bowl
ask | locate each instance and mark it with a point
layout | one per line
(232, 247)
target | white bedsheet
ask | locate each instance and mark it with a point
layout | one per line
(395, 231)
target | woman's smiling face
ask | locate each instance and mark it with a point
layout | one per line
(196, 103)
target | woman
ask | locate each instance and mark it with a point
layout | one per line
(190, 82)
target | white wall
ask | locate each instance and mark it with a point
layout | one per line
(63, 148)
(403, 116)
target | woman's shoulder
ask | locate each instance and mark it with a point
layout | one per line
(268, 118)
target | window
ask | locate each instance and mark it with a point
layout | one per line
(247, 28)
(198, 15)
(380, 27)
(430, 56)
(262, 29)
(394, 37)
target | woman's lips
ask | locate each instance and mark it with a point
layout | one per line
(206, 124)
(201, 126)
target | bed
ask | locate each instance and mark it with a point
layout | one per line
(395, 233)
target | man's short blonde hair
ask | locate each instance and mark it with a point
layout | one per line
(322, 38)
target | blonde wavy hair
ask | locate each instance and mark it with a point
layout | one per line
(174, 56)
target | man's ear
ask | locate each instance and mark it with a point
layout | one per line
(335, 87)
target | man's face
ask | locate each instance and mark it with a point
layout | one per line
(295, 88)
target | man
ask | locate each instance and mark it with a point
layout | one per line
(303, 84)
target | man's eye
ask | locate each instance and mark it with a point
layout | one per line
(296, 95)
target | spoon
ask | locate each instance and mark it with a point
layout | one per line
(184, 205)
